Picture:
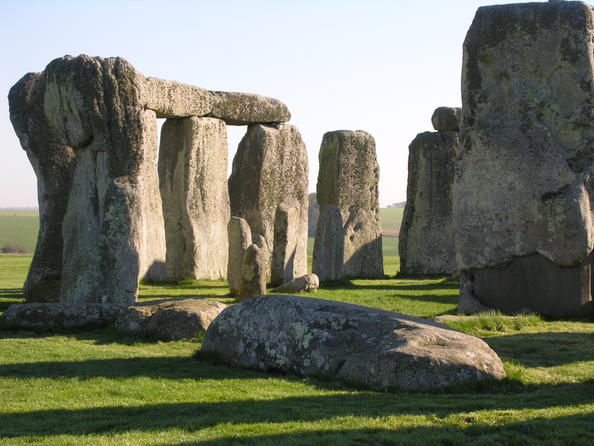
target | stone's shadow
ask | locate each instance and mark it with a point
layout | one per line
(544, 349)
(198, 415)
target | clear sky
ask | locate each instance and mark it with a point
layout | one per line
(379, 66)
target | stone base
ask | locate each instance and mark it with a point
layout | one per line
(535, 284)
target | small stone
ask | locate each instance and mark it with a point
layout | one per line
(253, 277)
(308, 283)
(446, 119)
(240, 238)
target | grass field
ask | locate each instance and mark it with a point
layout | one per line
(100, 388)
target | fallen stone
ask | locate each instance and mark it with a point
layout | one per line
(253, 277)
(348, 178)
(521, 186)
(193, 183)
(308, 283)
(369, 347)
(240, 238)
(426, 242)
(446, 119)
(169, 319)
(247, 108)
(44, 317)
(270, 173)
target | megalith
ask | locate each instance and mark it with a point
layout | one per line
(522, 189)
(268, 187)
(240, 238)
(53, 163)
(193, 182)
(313, 214)
(426, 243)
(253, 272)
(113, 226)
(348, 239)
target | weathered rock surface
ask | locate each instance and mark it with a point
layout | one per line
(446, 119)
(308, 283)
(247, 108)
(113, 227)
(366, 346)
(523, 184)
(253, 272)
(240, 238)
(193, 182)
(426, 243)
(170, 99)
(283, 267)
(270, 173)
(169, 319)
(52, 163)
(58, 316)
(348, 179)
(313, 214)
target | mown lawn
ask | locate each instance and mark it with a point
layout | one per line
(101, 388)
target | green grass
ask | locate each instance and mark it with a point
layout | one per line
(101, 388)
(391, 218)
(19, 229)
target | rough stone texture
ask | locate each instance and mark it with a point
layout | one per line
(348, 179)
(58, 316)
(113, 227)
(285, 242)
(446, 119)
(366, 346)
(168, 319)
(253, 277)
(240, 238)
(193, 182)
(52, 163)
(170, 99)
(313, 214)
(270, 172)
(426, 243)
(523, 183)
(308, 283)
(247, 108)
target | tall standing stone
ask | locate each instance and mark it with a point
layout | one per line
(270, 176)
(52, 162)
(113, 226)
(240, 238)
(193, 182)
(522, 193)
(348, 180)
(426, 243)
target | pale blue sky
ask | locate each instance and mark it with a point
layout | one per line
(379, 66)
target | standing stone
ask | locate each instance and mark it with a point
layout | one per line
(193, 182)
(240, 238)
(522, 193)
(426, 243)
(349, 245)
(269, 178)
(253, 277)
(113, 226)
(313, 214)
(52, 163)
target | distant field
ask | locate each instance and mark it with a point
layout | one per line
(21, 226)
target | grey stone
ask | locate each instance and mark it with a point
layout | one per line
(240, 238)
(348, 178)
(369, 347)
(54, 316)
(169, 319)
(270, 173)
(193, 183)
(313, 214)
(113, 227)
(253, 272)
(308, 283)
(446, 119)
(283, 268)
(170, 99)
(247, 108)
(426, 243)
(522, 183)
(52, 163)
(328, 252)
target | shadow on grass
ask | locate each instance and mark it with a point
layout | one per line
(544, 349)
(193, 416)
